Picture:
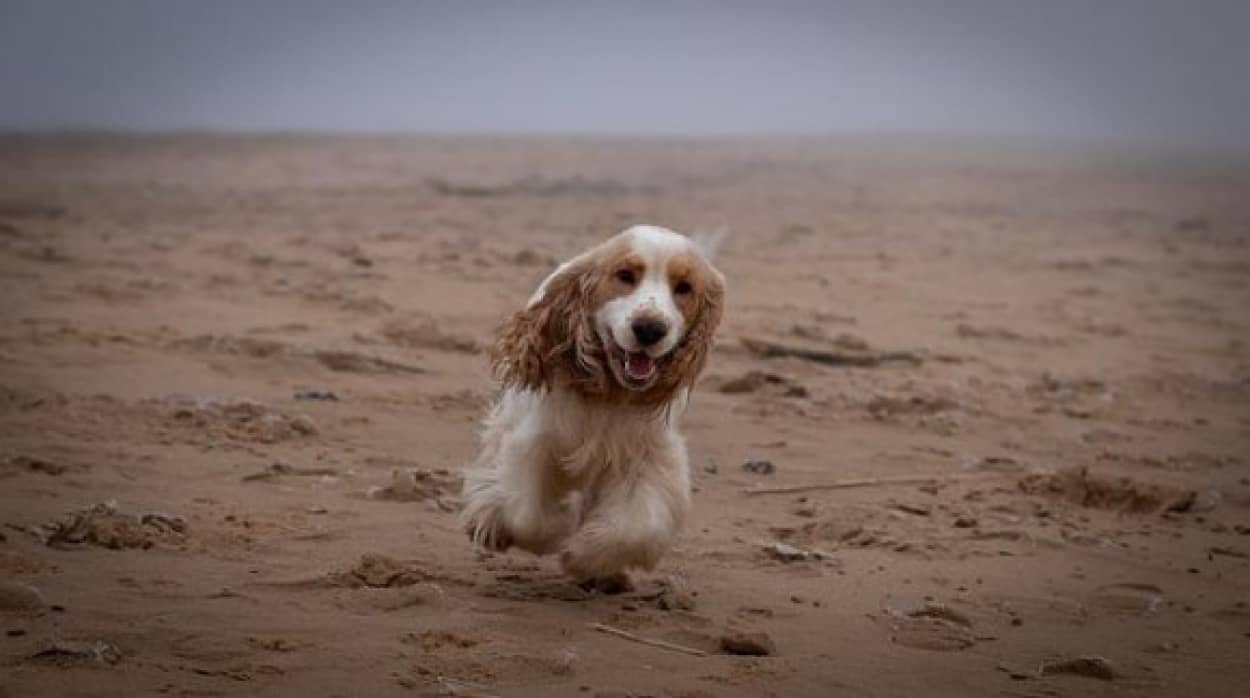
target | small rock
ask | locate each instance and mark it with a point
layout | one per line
(786, 553)
(915, 509)
(711, 468)
(965, 522)
(38, 465)
(748, 644)
(318, 395)
(303, 424)
(998, 464)
(796, 391)
(1015, 673)
(15, 596)
(675, 600)
(759, 466)
(1091, 666)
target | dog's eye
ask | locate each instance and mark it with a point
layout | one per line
(682, 288)
(626, 277)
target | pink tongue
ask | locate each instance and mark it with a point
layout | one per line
(639, 365)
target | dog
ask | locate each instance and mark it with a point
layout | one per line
(581, 453)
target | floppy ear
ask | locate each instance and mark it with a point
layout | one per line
(710, 242)
(698, 340)
(553, 334)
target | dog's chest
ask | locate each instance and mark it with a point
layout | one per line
(602, 443)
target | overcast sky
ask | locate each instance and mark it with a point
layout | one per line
(1134, 70)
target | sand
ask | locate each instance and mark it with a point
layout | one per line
(239, 377)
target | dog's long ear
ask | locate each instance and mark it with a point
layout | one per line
(698, 340)
(534, 343)
(710, 242)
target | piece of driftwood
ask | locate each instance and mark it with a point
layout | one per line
(625, 634)
(768, 349)
(276, 469)
(863, 482)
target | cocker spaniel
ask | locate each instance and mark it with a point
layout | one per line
(581, 454)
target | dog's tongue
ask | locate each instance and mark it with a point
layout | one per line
(639, 365)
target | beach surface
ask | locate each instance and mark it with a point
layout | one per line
(977, 422)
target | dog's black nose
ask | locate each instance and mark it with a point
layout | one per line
(648, 331)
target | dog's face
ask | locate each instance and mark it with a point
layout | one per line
(645, 303)
(654, 287)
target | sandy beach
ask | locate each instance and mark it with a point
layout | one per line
(977, 422)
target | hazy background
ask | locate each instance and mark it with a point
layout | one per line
(1175, 73)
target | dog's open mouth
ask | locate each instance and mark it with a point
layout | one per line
(638, 366)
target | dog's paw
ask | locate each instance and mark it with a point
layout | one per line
(592, 555)
(612, 584)
(488, 531)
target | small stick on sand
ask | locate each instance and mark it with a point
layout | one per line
(863, 358)
(646, 640)
(863, 482)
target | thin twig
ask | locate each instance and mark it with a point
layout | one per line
(766, 349)
(862, 482)
(646, 640)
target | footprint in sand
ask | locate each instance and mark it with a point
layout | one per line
(933, 627)
(1127, 598)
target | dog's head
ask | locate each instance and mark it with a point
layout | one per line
(631, 319)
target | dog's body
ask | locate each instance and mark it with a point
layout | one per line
(581, 454)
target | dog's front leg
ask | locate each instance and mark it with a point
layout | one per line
(514, 496)
(630, 525)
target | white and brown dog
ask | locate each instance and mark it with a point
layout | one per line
(581, 454)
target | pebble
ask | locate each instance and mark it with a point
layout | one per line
(676, 600)
(303, 424)
(914, 509)
(15, 596)
(1015, 673)
(748, 644)
(1091, 666)
(321, 395)
(759, 466)
(786, 553)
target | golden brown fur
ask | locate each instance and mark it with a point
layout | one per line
(553, 341)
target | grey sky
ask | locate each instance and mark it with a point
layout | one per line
(1175, 72)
